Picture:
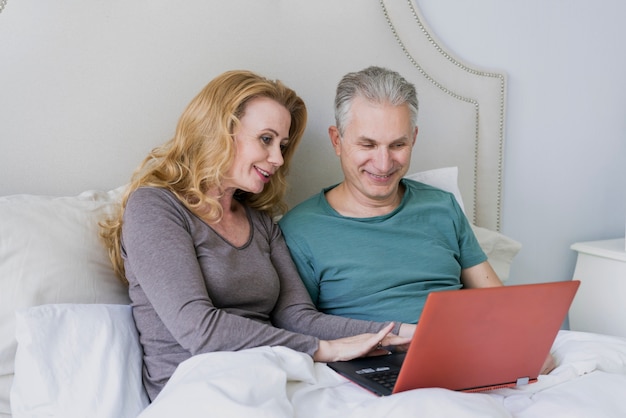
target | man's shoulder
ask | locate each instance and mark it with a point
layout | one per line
(419, 193)
(416, 185)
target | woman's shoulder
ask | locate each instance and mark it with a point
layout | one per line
(150, 200)
(149, 194)
(259, 217)
(262, 221)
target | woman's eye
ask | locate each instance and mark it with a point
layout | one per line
(283, 148)
(266, 139)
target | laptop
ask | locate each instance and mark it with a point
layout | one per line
(472, 340)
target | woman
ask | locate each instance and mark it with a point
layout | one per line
(207, 268)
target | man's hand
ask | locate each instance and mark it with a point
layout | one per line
(548, 365)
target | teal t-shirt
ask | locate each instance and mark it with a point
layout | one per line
(381, 268)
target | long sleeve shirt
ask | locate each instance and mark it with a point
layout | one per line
(193, 292)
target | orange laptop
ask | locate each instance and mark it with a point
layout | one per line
(472, 340)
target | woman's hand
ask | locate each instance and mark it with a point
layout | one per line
(358, 346)
(407, 330)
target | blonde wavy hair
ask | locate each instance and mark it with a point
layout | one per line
(196, 159)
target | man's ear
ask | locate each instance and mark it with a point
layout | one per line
(415, 135)
(335, 139)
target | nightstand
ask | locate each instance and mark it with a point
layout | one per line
(600, 304)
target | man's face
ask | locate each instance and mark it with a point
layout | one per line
(375, 150)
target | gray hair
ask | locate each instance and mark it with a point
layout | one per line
(377, 85)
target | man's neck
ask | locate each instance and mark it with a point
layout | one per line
(352, 204)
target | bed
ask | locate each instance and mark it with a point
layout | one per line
(68, 345)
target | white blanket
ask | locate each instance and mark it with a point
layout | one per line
(590, 380)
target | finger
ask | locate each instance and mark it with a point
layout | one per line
(380, 336)
(394, 344)
(548, 365)
(378, 352)
(392, 339)
(385, 331)
(403, 348)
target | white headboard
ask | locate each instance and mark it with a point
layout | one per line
(88, 88)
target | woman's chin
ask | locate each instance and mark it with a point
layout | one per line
(256, 189)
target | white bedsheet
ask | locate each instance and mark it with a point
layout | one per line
(590, 380)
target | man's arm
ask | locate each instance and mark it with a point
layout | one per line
(480, 275)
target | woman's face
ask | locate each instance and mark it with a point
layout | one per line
(259, 141)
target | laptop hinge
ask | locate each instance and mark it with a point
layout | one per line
(522, 381)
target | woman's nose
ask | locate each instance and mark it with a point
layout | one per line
(276, 156)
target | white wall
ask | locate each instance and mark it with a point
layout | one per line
(565, 152)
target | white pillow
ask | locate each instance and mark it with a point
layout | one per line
(499, 248)
(445, 178)
(50, 252)
(77, 360)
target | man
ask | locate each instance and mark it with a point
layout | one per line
(373, 246)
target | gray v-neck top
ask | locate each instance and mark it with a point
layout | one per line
(193, 292)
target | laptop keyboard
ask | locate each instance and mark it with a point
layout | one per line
(385, 378)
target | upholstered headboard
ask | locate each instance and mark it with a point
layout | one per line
(88, 88)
